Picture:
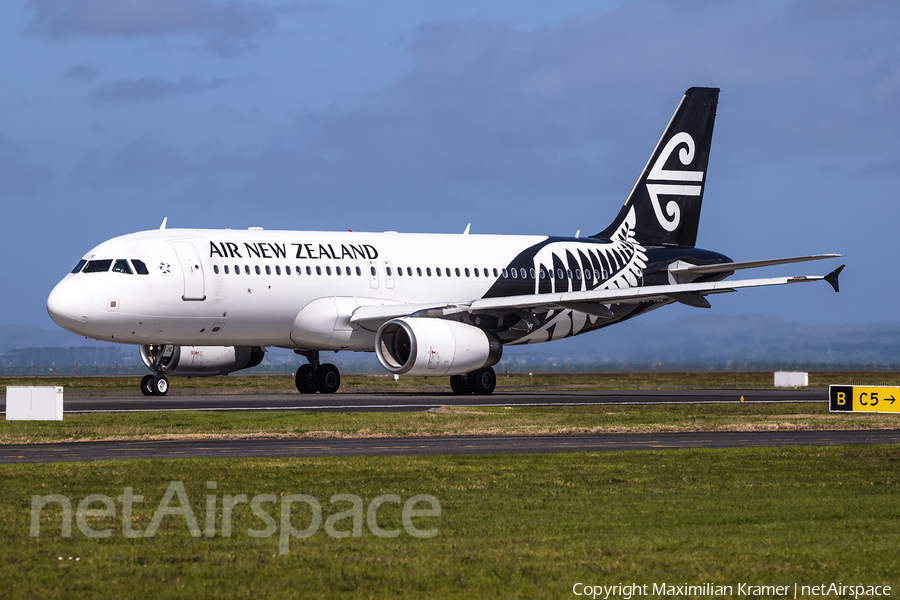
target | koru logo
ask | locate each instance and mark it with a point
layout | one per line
(675, 181)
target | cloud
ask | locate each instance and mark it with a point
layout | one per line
(151, 88)
(81, 73)
(229, 25)
(19, 177)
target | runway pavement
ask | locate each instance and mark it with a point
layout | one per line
(401, 402)
(421, 446)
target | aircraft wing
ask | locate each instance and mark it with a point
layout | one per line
(592, 302)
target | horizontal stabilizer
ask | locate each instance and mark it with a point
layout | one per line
(752, 264)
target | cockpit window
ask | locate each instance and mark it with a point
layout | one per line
(140, 267)
(98, 266)
(121, 266)
(80, 264)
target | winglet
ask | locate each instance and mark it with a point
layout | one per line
(466, 232)
(832, 278)
(163, 226)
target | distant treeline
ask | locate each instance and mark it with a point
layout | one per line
(125, 360)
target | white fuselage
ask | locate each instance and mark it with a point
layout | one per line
(272, 288)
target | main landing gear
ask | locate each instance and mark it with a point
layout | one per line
(155, 385)
(481, 382)
(314, 377)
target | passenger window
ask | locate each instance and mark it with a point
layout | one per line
(226, 269)
(495, 272)
(268, 270)
(328, 271)
(287, 271)
(467, 272)
(409, 271)
(140, 267)
(318, 270)
(543, 273)
(587, 274)
(216, 269)
(419, 271)
(388, 271)
(476, 271)
(256, 268)
(308, 271)
(337, 270)
(428, 271)
(559, 274)
(505, 273)
(522, 272)
(80, 264)
(372, 270)
(98, 266)
(577, 273)
(277, 270)
(400, 271)
(514, 274)
(121, 266)
(358, 272)
(532, 273)
(247, 269)
(438, 271)
(569, 273)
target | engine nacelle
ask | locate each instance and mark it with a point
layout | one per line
(201, 361)
(434, 347)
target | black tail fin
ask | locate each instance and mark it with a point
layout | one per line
(666, 198)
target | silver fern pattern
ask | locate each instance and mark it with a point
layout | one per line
(619, 264)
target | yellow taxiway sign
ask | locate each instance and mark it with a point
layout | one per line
(863, 398)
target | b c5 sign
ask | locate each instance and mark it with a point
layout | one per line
(855, 398)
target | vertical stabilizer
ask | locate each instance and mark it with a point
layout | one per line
(666, 199)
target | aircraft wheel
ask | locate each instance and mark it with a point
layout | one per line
(483, 381)
(159, 385)
(306, 383)
(460, 385)
(328, 378)
(145, 385)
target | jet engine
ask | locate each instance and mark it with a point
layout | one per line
(434, 347)
(200, 361)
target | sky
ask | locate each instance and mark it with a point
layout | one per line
(519, 117)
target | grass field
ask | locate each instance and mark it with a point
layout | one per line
(515, 382)
(510, 526)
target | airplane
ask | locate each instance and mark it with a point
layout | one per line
(209, 302)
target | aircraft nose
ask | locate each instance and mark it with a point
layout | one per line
(69, 305)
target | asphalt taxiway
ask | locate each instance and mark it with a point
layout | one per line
(412, 401)
(422, 446)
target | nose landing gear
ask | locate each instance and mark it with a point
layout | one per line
(158, 358)
(315, 377)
